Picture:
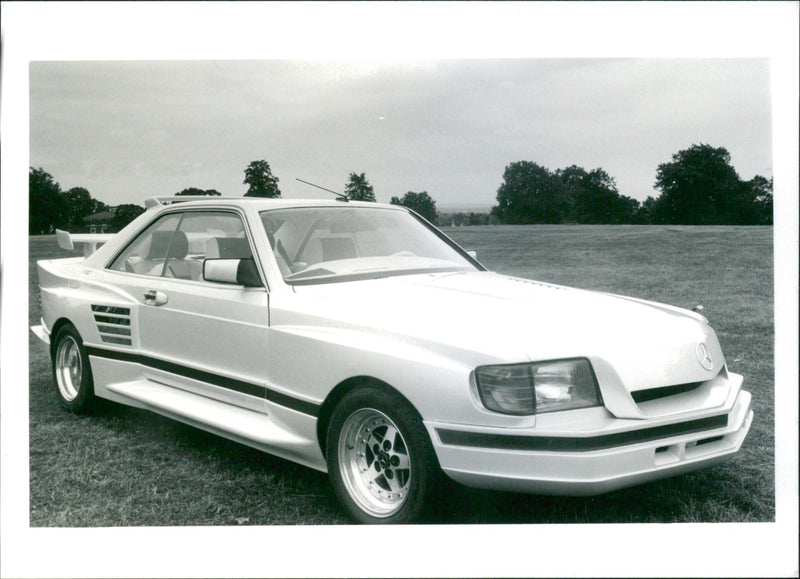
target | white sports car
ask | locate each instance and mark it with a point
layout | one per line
(357, 339)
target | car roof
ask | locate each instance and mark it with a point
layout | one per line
(258, 203)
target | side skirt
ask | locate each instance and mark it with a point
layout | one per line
(245, 426)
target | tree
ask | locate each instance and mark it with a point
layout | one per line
(627, 209)
(422, 203)
(124, 214)
(359, 189)
(80, 204)
(595, 198)
(575, 180)
(531, 193)
(261, 181)
(700, 186)
(761, 192)
(196, 191)
(646, 214)
(47, 208)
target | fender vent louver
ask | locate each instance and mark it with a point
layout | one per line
(113, 324)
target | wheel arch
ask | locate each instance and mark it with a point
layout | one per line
(59, 323)
(339, 391)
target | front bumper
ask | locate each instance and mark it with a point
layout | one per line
(514, 460)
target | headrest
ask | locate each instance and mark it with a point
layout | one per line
(228, 247)
(160, 242)
(180, 246)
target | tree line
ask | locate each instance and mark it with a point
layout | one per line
(698, 187)
(49, 207)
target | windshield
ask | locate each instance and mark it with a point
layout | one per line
(327, 244)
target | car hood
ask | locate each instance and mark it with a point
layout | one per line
(488, 318)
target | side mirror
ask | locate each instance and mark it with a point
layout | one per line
(234, 271)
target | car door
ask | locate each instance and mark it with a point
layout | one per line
(204, 337)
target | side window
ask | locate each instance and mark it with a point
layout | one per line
(205, 235)
(147, 253)
(176, 245)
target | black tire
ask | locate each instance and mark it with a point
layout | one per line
(72, 373)
(380, 460)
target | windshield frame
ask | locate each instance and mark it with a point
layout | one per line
(372, 274)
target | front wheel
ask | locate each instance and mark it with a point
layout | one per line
(380, 461)
(71, 371)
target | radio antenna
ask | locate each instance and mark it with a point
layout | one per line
(339, 196)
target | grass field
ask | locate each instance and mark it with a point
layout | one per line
(127, 467)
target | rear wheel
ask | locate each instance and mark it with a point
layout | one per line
(380, 460)
(71, 371)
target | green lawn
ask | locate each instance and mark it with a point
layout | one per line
(128, 467)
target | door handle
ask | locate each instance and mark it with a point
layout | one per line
(155, 298)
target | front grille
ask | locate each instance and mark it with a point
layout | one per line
(663, 391)
(113, 324)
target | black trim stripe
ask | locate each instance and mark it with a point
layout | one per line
(577, 444)
(210, 378)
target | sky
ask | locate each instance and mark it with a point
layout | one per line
(128, 130)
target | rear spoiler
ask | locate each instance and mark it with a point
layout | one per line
(151, 202)
(90, 241)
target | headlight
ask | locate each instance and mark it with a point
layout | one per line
(524, 389)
